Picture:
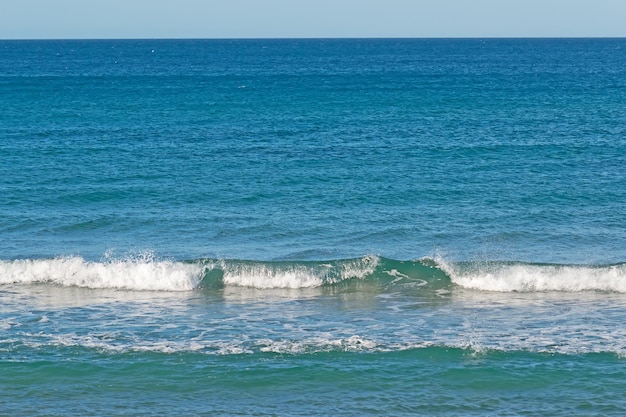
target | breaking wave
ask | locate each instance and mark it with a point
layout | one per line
(526, 277)
(142, 273)
(145, 273)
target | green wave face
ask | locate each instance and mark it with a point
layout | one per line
(372, 271)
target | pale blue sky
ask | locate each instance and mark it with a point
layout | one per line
(37, 19)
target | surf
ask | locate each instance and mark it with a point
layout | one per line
(140, 274)
(145, 272)
(529, 277)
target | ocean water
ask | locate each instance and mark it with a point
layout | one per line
(313, 227)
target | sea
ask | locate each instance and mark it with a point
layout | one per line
(304, 227)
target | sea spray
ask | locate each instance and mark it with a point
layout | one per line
(526, 277)
(264, 275)
(146, 273)
(141, 273)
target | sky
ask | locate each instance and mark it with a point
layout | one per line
(86, 19)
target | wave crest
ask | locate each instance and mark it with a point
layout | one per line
(295, 275)
(143, 273)
(523, 277)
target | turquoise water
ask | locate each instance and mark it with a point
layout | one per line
(313, 227)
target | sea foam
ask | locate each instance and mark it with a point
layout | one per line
(522, 277)
(294, 275)
(142, 273)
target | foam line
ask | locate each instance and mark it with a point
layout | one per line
(521, 277)
(134, 274)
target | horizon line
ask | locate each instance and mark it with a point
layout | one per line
(315, 38)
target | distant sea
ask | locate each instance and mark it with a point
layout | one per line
(313, 227)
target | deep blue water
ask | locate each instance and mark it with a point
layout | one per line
(365, 227)
(315, 149)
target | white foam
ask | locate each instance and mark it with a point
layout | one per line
(143, 273)
(264, 277)
(534, 278)
(291, 276)
(353, 343)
